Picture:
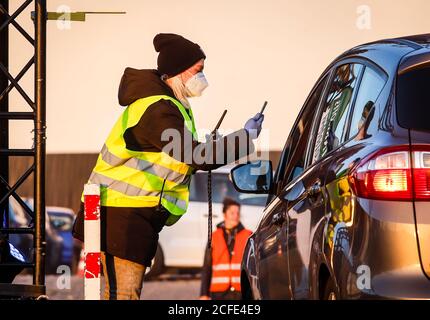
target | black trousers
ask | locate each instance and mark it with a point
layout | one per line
(127, 233)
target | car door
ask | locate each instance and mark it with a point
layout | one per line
(273, 232)
(305, 215)
(306, 178)
(357, 143)
(272, 266)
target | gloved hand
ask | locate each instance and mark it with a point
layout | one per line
(253, 125)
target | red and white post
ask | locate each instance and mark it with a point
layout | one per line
(92, 242)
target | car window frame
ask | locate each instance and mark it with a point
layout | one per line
(351, 60)
(385, 77)
(276, 189)
(326, 76)
(317, 118)
(274, 194)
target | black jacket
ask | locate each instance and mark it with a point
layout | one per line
(162, 115)
(132, 233)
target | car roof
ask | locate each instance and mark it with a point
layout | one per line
(387, 53)
(64, 210)
(421, 39)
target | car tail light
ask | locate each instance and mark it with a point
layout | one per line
(393, 174)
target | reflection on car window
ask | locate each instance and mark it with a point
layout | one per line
(413, 99)
(371, 86)
(335, 110)
(221, 187)
(299, 137)
(297, 171)
(253, 176)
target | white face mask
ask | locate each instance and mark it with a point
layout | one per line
(196, 84)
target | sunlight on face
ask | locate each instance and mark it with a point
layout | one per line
(195, 68)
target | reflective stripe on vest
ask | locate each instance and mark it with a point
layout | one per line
(226, 266)
(135, 179)
(226, 270)
(143, 165)
(226, 280)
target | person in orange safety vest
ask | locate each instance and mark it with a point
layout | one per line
(221, 268)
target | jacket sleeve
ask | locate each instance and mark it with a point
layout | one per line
(206, 273)
(162, 126)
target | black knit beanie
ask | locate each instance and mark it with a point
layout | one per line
(176, 54)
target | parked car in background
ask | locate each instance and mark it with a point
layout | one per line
(183, 244)
(348, 215)
(61, 247)
(61, 219)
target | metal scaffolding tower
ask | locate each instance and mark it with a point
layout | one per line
(37, 108)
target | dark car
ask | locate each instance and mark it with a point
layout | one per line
(61, 220)
(61, 247)
(348, 212)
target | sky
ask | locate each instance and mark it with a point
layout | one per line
(270, 50)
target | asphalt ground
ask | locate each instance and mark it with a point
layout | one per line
(169, 287)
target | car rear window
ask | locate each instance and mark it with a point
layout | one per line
(60, 221)
(413, 99)
(221, 187)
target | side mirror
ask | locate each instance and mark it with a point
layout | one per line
(253, 176)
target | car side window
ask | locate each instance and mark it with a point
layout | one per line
(299, 136)
(371, 86)
(335, 110)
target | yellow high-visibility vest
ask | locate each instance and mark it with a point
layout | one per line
(130, 178)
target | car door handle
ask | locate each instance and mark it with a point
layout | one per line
(315, 189)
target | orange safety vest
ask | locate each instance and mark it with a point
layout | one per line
(226, 271)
